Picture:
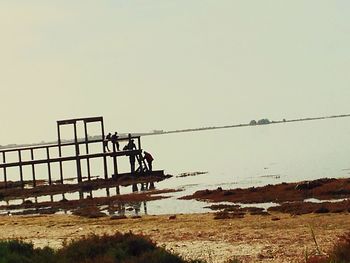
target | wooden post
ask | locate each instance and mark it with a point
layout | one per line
(60, 151)
(33, 167)
(104, 150)
(20, 167)
(145, 207)
(139, 142)
(87, 150)
(77, 153)
(5, 173)
(48, 164)
(115, 165)
(140, 159)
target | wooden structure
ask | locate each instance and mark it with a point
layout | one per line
(77, 157)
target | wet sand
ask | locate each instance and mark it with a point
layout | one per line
(254, 238)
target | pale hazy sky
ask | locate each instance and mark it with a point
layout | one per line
(162, 64)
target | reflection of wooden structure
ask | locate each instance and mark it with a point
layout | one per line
(77, 157)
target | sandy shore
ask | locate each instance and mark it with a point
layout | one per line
(254, 238)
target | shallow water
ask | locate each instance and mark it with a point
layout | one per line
(238, 158)
(249, 156)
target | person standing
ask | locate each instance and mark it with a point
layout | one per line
(115, 142)
(132, 146)
(106, 140)
(149, 159)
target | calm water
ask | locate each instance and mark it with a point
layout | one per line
(242, 157)
(250, 156)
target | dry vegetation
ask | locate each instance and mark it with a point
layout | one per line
(253, 238)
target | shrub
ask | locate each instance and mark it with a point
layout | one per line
(16, 251)
(341, 250)
(121, 248)
(339, 254)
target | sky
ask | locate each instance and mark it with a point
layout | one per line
(163, 64)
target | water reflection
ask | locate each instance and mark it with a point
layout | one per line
(55, 203)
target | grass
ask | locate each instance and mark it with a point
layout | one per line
(118, 248)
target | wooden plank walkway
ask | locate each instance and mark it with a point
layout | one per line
(71, 158)
(74, 145)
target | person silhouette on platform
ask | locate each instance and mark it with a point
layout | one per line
(129, 147)
(106, 140)
(115, 142)
(149, 159)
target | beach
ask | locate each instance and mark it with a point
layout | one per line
(254, 238)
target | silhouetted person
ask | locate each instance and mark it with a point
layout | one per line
(131, 146)
(149, 159)
(132, 162)
(106, 140)
(115, 142)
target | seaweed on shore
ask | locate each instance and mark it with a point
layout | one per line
(290, 196)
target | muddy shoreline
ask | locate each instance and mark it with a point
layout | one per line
(326, 195)
(250, 234)
(317, 196)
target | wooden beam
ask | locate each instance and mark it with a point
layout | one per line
(115, 164)
(60, 151)
(77, 153)
(62, 144)
(87, 150)
(71, 158)
(33, 167)
(4, 168)
(20, 167)
(104, 150)
(140, 159)
(72, 121)
(48, 165)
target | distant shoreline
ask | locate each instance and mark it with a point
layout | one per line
(162, 132)
(247, 124)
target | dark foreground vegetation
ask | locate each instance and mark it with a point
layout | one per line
(130, 248)
(126, 248)
(339, 254)
(119, 248)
